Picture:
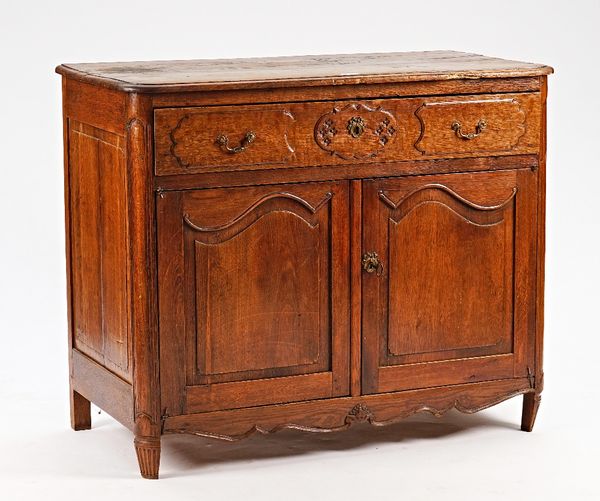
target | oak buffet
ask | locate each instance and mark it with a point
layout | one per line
(302, 242)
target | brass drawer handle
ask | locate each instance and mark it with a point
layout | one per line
(479, 128)
(223, 142)
(371, 263)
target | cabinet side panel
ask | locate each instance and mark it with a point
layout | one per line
(87, 308)
(99, 243)
(113, 201)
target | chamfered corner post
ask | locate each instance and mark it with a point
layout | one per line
(531, 401)
(147, 416)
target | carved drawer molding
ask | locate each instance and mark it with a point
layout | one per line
(470, 126)
(356, 131)
(209, 139)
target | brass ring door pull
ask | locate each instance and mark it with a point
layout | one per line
(479, 128)
(223, 142)
(372, 264)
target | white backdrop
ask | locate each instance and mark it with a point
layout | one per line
(482, 456)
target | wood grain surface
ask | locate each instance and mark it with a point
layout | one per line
(335, 69)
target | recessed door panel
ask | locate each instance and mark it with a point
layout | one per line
(263, 293)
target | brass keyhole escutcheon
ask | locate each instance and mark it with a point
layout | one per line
(371, 263)
(356, 127)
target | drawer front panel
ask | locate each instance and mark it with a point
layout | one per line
(233, 138)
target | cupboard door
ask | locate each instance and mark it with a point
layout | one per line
(253, 295)
(452, 298)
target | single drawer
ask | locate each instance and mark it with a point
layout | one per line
(278, 136)
(470, 126)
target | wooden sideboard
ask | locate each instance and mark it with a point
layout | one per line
(302, 242)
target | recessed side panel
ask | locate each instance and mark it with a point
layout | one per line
(99, 243)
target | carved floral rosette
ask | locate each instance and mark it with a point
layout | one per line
(356, 131)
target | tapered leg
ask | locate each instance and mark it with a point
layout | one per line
(81, 417)
(147, 445)
(148, 454)
(531, 404)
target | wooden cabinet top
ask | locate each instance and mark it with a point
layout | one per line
(220, 74)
